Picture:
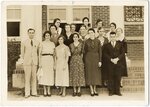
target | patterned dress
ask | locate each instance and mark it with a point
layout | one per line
(77, 76)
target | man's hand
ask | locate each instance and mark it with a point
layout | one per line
(99, 64)
(115, 60)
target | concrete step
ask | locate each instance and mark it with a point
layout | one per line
(133, 82)
(86, 90)
(135, 75)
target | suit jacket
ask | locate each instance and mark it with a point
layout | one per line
(114, 52)
(30, 53)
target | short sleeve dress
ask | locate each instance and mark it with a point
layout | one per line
(47, 63)
(62, 76)
(77, 76)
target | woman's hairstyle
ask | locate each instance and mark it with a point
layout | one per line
(112, 33)
(85, 18)
(113, 24)
(91, 29)
(61, 36)
(83, 26)
(99, 28)
(46, 33)
(67, 25)
(99, 20)
(52, 26)
(76, 34)
(73, 24)
(55, 20)
(120, 29)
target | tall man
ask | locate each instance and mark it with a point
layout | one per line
(114, 53)
(29, 54)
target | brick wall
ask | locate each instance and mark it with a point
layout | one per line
(135, 49)
(44, 18)
(134, 30)
(100, 12)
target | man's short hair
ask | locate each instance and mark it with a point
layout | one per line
(31, 29)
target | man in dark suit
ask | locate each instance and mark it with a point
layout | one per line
(114, 53)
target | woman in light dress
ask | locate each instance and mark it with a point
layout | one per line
(121, 38)
(62, 54)
(46, 62)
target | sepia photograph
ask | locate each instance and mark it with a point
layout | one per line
(74, 53)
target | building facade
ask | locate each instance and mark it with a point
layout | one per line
(39, 17)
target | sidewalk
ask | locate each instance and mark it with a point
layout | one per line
(102, 96)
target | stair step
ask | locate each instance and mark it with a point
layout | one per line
(133, 82)
(135, 76)
(100, 90)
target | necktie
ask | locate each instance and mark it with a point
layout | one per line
(31, 43)
(113, 44)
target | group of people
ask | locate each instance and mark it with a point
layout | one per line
(90, 57)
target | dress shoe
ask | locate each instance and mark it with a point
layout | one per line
(27, 96)
(63, 95)
(92, 94)
(79, 94)
(35, 95)
(48, 95)
(119, 94)
(110, 93)
(45, 95)
(74, 94)
(121, 86)
(60, 93)
(95, 93)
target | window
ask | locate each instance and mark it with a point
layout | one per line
(134, 13)
(68, 14)
(80, 13)
(13, 20)
(57, 13)
(13, 14)
(13, 29)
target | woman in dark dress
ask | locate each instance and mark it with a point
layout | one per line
(57, 22)
(77, 76)
(54, 34)
(120, 37)
(85, 22)
(93, 53)
(103, 41)
(68, 35)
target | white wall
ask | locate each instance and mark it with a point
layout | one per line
(31, 17)
(117, 15)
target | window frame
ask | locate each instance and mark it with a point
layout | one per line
(70, 12)
(17, 37)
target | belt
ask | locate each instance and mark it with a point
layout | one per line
(47, 54)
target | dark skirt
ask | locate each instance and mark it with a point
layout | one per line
(92, 71)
